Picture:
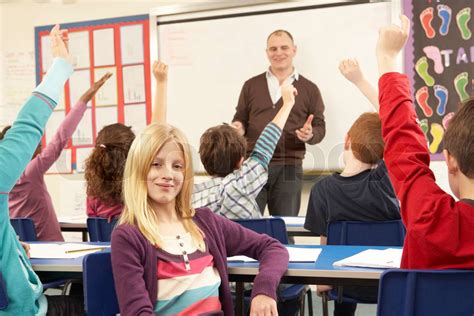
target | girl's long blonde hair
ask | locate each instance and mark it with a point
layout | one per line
(137, 209)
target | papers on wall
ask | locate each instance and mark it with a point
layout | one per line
(107, 95)
(134, 84)
(373, 258)
(83, 134)
(81, 155)
(79, 83)
(131, 44)
(78, 48)
(297, 254)
(105, 116)
(62, 251)
(135, 116)
(104, 54)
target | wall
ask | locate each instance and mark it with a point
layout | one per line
(17, 78)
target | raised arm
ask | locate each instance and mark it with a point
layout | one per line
(53, 149)
(350, 69)
(160, 72)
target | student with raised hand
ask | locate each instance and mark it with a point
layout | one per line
(104, 171)
(439, 228)
(30, 197)
(169, 258)
(362, 191)
(24, 289)
(235, 182)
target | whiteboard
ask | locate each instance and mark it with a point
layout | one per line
(210, 59)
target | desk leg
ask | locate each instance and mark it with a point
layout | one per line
(84, 236)
(239, 298)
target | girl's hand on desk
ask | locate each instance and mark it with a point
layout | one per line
(263, 305)
(26, 247)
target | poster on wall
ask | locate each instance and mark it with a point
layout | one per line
(117, 45)
(439, 60)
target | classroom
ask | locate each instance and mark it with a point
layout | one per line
(129, 69)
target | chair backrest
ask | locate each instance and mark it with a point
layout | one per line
(100, 229)
(426, 292)
(274, 227)
(383, 233)
(99, 287)
(24, 228)
(3, 294)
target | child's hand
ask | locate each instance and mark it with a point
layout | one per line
(263, 305)
(59, 43)
(26, 247)
(390, 43)
(89, 94)
(350, 69)
(288, 94)
(160, 71)
(323, 288)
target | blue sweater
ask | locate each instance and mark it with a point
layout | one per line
(24, 289)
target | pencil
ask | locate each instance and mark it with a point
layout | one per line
(85, 249)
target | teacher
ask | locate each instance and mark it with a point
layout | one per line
(259, 101)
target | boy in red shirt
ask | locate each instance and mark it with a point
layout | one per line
(439, 228)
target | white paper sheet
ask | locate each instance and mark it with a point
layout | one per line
(135, 116)
(293, 220)
(79, 83)
(81, 155)
(105, 116)
(83, 134)
(104, 54)
(373, 258)
(131, 44)
(297, 254)
(62, 251)
(133, 84)
(107, 94)
(79, 49)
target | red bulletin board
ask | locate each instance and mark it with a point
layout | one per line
(120, 45)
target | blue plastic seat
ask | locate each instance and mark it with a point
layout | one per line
(353, 233)
(3, 294)
(426, 292)
(100, 298)
(24, 228)
(276, 228)
(100, 229)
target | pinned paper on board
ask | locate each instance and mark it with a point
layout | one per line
(104, 54)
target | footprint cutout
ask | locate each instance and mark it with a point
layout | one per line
(433, 53)
(425, 18)
(446, 119)
(441, 93)
(462, 19)
(437, 132)
(460, 83)
(421, 97)
(424, 126)
(421, 68)
(444, 13)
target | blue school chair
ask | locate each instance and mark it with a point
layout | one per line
(24, 228)
(426, 292)
(381, 233)
(276, 228)
(3, 294)
(100, 229)
(100, 298)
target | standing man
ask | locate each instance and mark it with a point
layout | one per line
(259, 101)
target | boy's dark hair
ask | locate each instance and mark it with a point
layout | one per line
(366, 138)
(4, 131)
(221, 149)
(104, 167)
(459, 138)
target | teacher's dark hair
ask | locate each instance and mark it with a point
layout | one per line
(279, 33)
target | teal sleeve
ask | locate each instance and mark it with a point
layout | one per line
(53, 82)
(266, 143)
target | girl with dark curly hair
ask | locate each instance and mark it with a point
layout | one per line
(104, 171)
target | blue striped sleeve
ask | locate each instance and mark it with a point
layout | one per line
(266, 144)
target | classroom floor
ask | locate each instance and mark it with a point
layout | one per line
(362, 309)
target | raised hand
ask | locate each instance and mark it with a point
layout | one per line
(306, 132)
(59, 43)
(391, 41)
(89, 94)
(288, 94)
(350, 69)
(160, 71)
(263, 305)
